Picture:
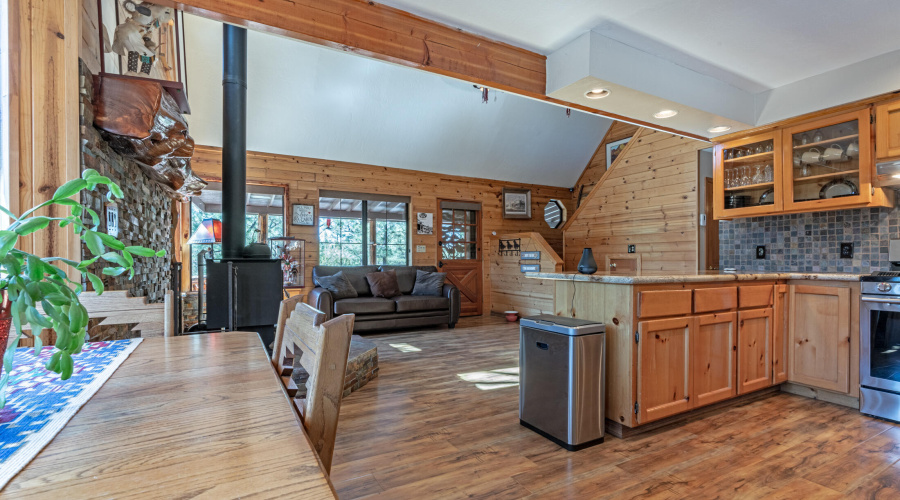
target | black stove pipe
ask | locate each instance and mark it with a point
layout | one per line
(234, 141)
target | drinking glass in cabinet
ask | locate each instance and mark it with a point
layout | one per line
(769, 173)
(769, 147)
(818, 136)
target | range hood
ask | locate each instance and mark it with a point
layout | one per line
(887, 173)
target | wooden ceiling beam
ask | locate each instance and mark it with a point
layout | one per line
(385, 33)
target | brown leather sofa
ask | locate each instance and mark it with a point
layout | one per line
(377, 313)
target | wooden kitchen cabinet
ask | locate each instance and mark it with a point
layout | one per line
(664, 372)
(713, 358)
(747, 177)
(754, 350)
(819, 337)
(821, 164)
(887, 131)
(828, 164)
(780, 328)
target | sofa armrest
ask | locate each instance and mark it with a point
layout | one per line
(322, 300)
(452, 293)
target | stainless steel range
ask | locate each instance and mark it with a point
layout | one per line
(879, 356)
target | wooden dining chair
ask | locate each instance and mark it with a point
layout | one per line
(323, 348)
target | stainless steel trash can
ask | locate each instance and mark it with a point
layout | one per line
(562, 379)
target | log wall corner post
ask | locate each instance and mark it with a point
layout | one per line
(44, 115)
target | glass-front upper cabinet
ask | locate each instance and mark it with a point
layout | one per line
(747, 177)
(828, 162)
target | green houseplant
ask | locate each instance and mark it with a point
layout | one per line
(29, 280)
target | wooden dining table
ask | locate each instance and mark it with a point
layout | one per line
(183, 417)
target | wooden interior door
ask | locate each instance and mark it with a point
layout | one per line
(754, 350)
(713, 358)
(820, 337)
(459, 238)
(664, 375)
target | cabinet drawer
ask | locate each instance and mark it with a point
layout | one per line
(756, 296)
(715, 299)
(664, 303)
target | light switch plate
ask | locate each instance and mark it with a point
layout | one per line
(702, 220)
(420, 248)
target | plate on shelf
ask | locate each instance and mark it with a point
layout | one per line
(767, 198)
(838, 188)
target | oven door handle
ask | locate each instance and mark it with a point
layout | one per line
(881, 300)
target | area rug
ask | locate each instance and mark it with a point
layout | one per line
(39, 404)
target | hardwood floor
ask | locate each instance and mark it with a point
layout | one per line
(441, 421)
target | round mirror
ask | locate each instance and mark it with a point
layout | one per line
(554, 214)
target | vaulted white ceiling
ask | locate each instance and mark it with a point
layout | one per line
(306, 100)
(729, 62)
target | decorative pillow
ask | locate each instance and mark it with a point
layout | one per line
(338, 284)
(384, 284)
(428, 283)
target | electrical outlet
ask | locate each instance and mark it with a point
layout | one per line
(846, 250)
(420, 248)
(761, 252)
(631, 249)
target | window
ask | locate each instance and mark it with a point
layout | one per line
(459, 233)
(357, 229)
(265, 209)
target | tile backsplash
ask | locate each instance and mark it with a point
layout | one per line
(811, 241)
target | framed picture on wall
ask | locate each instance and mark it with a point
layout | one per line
(424, 223)
(303, 215)
(516, 203)
(613, 149)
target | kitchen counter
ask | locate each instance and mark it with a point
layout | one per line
(658, 277)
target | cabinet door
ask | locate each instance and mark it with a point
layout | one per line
(820, 337)
(887, 130)
(828, 163)
(754, 350)
(664, 375)
(713, 351)
(779, 335)
(747, 177)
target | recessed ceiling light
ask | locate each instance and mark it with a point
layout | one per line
(596, 93)
(666, 113)
(720, 128)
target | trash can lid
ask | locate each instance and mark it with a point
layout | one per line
(560, 324)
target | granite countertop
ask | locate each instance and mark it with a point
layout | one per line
(649, 278)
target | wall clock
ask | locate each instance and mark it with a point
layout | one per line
(303, 215)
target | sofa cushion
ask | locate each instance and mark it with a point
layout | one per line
(406, 275)
(364, 305)
(429, 284)
(408, 303)
(338, 284)
(383, 284)
(356, 275)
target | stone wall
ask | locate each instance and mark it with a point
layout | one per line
(810, 241)
(145, 214)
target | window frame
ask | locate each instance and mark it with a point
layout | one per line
(365, 237)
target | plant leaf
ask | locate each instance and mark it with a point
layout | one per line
(111, 242)
(7, 242)
(96, 282)
(93, 242)
(116, 190)
(68, 189)
(115, 259)
(32, 224)
(88, 173)
(95, 219)
(141, 251)
(113, 271)
(161, 253)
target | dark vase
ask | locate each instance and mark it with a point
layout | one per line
(587, 264)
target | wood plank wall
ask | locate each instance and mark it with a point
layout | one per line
(510, 289)
(90, 49)
(596, 168)
(648, 199)
(305, 176)
(43, 113)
